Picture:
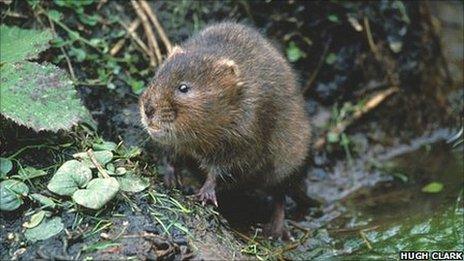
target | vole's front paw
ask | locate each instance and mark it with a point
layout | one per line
(207, 195)
(170, 178)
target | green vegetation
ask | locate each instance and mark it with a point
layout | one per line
(50, 97)
(11, 194)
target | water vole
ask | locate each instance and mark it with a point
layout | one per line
(230, 100)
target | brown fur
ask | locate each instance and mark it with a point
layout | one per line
(243, 118)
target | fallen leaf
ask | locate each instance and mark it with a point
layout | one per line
(97, 193)
(71, 176)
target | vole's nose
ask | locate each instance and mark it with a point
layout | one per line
(167, 114)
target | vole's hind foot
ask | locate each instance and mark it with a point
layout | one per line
(276, 227)
(274, 231)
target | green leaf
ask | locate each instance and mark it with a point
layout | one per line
(104, 145)
(55, 15)
(29, 173)
(331, 58)
(71, 176)
(113, 171)
(35, 219)
(78, 54)
(103, 157)
(21, 44)
(11, 193)
(73, 3)
(333, 137)
(110, 168)
(59, 42)
(89, 19)
(396, 47)
(131, 152)
(433, 187)
(39, 96)
(400, 176)
(294, 53)
(333, 18)
(137, 86)
(120, 171)
(99, 246)
(345, 141)
(133, 183)
(43, 200)
(5, 166)
(33, 3)
(45, 230)
(98, 192)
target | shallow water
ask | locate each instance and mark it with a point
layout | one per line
(398, 215)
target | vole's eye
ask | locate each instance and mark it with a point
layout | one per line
(183, 88)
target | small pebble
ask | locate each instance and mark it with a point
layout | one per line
(17, 253)
(10, 236)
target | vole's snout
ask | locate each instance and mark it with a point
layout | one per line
(167, 115)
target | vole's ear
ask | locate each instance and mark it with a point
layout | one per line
(228, 65)
(176, 50)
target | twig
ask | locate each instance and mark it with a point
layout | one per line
(318, 67)
(66, 57)
(157, 24)
(131, 28)
(161, 253)
(353, 229)
(300, 227)
(364, 237)
(16, 15)
(137, 40)
(101, 3)
(386, 60)
(97, 164)
(245, 237)
(149, 32)
(146, 235)
(370, 105)
(370, 39)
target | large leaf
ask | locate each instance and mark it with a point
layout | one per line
(39, 96)
(11, 193)
(45, 230)
(71, 176)
(105, 145)
(133, 183)
(5, 166)
(21, 44)
(98, 192)
(35, 219)
(43, 200)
